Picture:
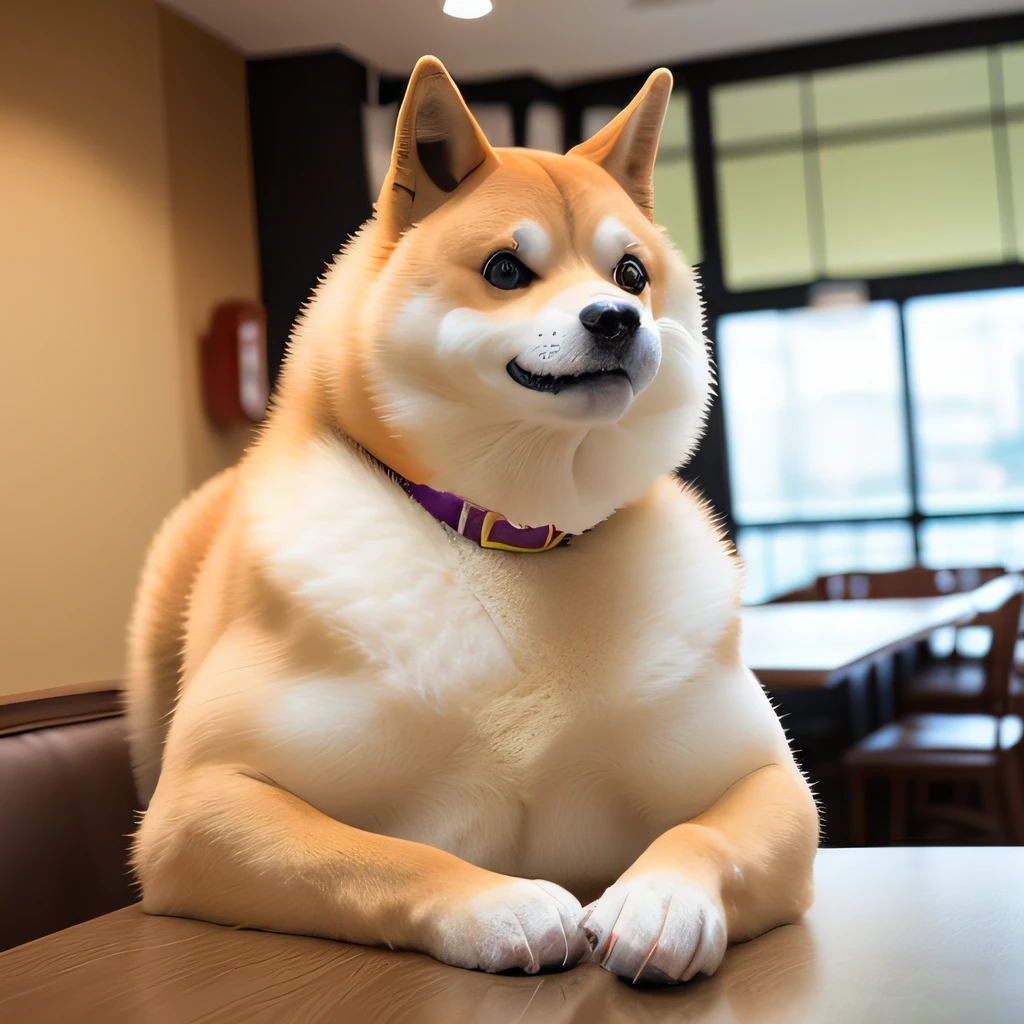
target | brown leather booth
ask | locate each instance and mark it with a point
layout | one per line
(67, 810)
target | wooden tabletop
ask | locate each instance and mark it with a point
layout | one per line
(902, 935)
(813, 644)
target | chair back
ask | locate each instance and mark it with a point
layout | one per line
(1004, 622)
(915, 582)
(67, 810)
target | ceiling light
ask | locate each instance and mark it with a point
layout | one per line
(467, 8)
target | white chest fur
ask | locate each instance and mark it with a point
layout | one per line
(544, 714)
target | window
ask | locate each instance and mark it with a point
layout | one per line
(781, 558)
(819, 424)
(765, 228)
(1012, 82)
(966, 357)
(894, 167)
(813, 414)
(925, 90)
(920, 202)
(974, 540)
(761, 169)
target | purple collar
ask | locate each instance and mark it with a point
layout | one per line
(480, 525)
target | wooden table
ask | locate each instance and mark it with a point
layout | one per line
(903, 935)
(815, 644)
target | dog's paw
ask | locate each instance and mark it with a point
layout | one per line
(657, 927)
(531, 925)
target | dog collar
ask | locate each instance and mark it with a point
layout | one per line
(480, 525)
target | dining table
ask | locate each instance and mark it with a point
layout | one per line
(905, 935)
(814, 645)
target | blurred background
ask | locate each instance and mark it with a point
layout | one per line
(847, 178)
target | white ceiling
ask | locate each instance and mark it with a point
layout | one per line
(560, 40)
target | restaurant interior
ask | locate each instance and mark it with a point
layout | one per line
(847, 181)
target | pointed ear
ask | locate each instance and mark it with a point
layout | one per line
(438, 144)
(627, 145)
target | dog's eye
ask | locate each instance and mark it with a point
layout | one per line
(630, 275)
(505, 271)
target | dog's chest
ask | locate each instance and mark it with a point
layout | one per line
(562, 629)
(521, 711)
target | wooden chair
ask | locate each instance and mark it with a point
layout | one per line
(918, 750)
(982, 749)
(989, 685)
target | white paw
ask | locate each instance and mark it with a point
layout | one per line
(525, 924)
(656, 927)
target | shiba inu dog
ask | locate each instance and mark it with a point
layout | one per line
(450, 662)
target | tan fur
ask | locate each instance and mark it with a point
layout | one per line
(383, 732)
(156, 633)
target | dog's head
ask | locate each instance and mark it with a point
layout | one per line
(512, 326)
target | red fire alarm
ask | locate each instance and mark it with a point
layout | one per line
(234, 363)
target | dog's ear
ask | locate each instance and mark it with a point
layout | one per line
(627, 146)
(438, 144)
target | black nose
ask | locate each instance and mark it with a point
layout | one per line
(611, 323)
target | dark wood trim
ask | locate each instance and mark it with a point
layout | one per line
(42, 709)
(309, 170)
(897, 287)
(519, 109)
(867, 48)
(522, 89)
(846, 51)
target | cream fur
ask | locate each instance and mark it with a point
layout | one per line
(380, 729)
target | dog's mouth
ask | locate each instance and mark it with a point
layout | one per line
(552, 384)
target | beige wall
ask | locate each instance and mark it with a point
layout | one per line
(125, 211)
(212, 224)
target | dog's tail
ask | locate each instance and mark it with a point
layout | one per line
(156, 631)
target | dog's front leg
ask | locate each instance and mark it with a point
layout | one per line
(742, 867)
(221, 844)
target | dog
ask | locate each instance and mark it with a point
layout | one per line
(450, 660)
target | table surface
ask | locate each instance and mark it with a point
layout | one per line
(901, 935)
(813, 644)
